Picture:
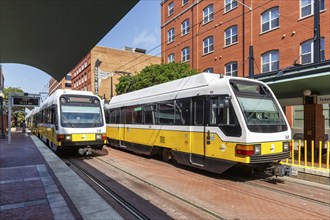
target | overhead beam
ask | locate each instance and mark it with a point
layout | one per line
(54, 35)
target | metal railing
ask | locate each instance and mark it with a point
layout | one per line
(311, 156)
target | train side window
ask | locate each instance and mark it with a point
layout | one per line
(117, 115)
(129, 111)
(137, 115)
(123, 115)
(149, 114)
(111, 116)
(218, 111)
(54, 115)
(44, 116)
(182, 112)
(165, 113)
(199, 111)
(222, 114)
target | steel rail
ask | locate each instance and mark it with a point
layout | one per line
(131, 209)
(244, 181)
(209, 212)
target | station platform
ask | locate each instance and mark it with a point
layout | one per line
(36, 184)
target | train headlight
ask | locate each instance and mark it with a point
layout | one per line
(286, 146)
(68, 137)
(98, 136)
(257, 149)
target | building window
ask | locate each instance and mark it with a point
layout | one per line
(170, 58)
(185, 27)
(270, 19)
(307, 51)
(208, 14)
(67, 85)
(208, 45)
(68, 77)
(170, 35)
(170, 8)
(307, 7)
(184, 2)
(230, 5)
(209, 70)
(231, 36)
(270, 61)
(185, 54)
(231, 69)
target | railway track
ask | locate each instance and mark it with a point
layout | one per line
(284, 192)
(244, 181)
(247, 181)
(201, 208)
(126, 205)
(235, 183)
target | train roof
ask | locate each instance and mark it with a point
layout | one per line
(53, 97)
(173, 87)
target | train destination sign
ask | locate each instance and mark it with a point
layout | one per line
(26, 101)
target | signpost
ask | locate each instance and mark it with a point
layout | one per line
(26, 101)
(21, 100)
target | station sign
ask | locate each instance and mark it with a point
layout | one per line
(26, 101)
(323, 99)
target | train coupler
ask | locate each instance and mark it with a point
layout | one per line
(85, 151)
(280, 170)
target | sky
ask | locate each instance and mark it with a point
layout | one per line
(140, 28)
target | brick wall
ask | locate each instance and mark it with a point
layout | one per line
(113, 60)
(292, 31)
(313, 123)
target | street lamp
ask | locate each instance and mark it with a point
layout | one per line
(2, 132)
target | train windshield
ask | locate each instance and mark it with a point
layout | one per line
(81, 112)
(260, 110)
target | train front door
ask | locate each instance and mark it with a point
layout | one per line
(197, 132)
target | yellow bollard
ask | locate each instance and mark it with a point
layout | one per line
(299, 153)
(312, 153)
(292, 152)
(328, 154)
(320, 154)
(305, 153)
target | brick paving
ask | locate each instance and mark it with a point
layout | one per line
(27, 188)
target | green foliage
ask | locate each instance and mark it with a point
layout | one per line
(6, 91)
(153, 75)
(19, 117)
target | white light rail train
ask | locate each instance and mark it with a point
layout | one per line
(207, 121)
(70, 119)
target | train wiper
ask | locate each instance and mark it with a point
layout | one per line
(67, 121)
(96, 120)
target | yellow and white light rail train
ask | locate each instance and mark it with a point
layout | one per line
(206, 121)
(70, 119)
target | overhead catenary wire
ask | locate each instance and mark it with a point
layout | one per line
(184, 41)
(127, 65)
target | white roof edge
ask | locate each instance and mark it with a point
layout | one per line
(190, 82)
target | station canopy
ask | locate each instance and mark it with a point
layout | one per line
(54, 35)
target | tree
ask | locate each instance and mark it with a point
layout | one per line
(153, 75)
(19, 117)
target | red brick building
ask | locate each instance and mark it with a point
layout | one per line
(113, 61)
(65, 83)
(213, 35)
